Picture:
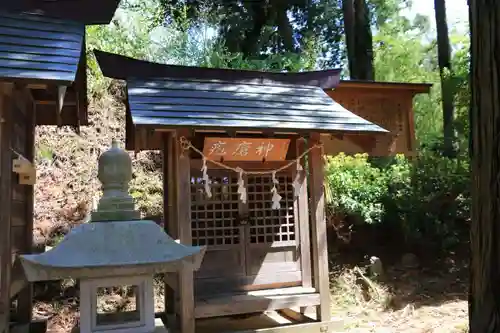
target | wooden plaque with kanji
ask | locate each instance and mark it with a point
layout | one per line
(245, 149)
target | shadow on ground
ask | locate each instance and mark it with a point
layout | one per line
(432, 280)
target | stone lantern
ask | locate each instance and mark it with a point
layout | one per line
(115, 249)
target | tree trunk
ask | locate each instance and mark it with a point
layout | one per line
(364, 42)
(349, 31)
(484, 298)
(359, 39)
(444, 60)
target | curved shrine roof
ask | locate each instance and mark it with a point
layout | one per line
(167, 96)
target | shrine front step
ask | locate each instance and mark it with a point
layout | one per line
(255, 301)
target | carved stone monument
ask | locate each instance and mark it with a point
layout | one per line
(114, 249)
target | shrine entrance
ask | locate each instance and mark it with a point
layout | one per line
(250, 245)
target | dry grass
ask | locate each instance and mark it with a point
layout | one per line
(416, 301)
(67, 184)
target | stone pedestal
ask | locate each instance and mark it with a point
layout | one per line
(141, 320)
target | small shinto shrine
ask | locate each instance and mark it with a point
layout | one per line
(243, 175)
(115, 249)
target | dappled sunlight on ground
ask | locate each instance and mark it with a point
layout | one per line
(416, 300)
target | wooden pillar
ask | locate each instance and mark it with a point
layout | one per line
(5, 206)
(186, 277)
(25, 296)
(169, 213)
(318, 229)
(303, 216)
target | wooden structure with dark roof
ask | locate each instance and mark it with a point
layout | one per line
(387, 104)
(42, 82)
(259, 257)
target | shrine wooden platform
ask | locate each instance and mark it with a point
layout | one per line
(262, 322)
(255, 301)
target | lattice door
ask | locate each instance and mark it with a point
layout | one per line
(266, 224)
(214, 223)
(248, 245)
(272, 244)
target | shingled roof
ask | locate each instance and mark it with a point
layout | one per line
(42, 43)
(39, 48)
(165, 96)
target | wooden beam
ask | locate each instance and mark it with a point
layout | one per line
(316, 327)
(253, 303)
(25, 297)
(247, 165)
(294, 315)
(37, 86)
(5, 204)
(318, 229)
(416, 88)
(186, 276)
(169, 220)
(302, 204)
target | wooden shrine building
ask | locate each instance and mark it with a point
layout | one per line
(42, 82)
(235, 144)
(386, 104)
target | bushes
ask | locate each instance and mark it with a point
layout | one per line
(426, 199)
(355, 187)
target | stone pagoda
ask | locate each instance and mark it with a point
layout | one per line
(115, 249)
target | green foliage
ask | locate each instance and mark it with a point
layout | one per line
(434, 205)
(461, 67)
(354, 187)
(426, 199)
(260, 28)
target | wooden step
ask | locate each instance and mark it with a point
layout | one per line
(255, 301)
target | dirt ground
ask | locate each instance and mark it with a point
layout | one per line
(425, 298)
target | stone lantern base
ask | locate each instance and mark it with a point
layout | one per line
(141, 320)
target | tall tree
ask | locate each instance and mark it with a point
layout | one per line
(445, 70)
(359, 39)
(259, 28)
(484, 304)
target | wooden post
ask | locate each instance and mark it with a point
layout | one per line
(186, 277)
(303, 216)
(318, 229)
(5, 206)
(25, 297)
(168, 210)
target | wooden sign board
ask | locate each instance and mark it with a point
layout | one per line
(245, 149)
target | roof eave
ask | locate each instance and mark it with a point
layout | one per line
(416, 88)
(122, 67)
(375, 130)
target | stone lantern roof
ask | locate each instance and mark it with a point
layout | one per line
(115, 242)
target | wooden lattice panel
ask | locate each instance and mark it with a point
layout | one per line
(266, 224)
(214, 220)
